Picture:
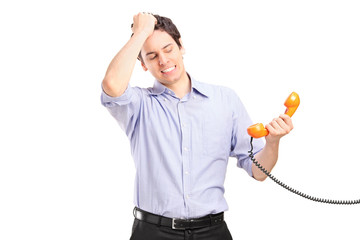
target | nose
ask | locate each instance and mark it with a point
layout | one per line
(162, 59)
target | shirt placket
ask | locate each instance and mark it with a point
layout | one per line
(186, 150)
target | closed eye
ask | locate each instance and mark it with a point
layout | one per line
(153, 57)
(168, 48)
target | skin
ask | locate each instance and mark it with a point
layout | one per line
(268, 156)
(120, 69)
(160, 52)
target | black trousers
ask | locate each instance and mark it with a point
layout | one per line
(147, 231)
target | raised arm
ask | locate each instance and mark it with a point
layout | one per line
(119, 72)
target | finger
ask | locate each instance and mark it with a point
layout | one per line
(270, 128)
(135, 18)
(281, 123)
(275, 123)
(287, 120)
(284, 127)
(279, 127)
(274, 128)
(285, 117)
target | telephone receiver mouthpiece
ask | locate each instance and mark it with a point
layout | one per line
(292, 103)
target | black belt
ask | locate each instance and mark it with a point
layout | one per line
(177, 223)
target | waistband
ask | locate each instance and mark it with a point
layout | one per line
(177, 223)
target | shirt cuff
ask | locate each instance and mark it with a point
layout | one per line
(108, 101)
(246, 162)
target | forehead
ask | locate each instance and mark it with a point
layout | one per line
(157, 41)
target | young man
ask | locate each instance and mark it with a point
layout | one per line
(182, 133)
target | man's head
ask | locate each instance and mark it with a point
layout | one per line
(162, 53)
(165, 24)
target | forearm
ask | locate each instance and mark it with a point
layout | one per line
(119, 72)
(267, 157)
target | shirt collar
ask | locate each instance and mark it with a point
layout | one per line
(200, 87)
(158, 88)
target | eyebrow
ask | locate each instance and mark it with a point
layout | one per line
(161, 48)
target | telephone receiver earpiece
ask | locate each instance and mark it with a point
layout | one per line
(292, 103)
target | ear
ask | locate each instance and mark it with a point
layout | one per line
(143, 66)
(182, 49)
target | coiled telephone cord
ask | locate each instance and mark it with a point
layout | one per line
(321, 200)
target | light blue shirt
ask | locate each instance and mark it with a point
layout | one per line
(181, 146)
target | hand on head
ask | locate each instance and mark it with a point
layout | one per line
(143, 22)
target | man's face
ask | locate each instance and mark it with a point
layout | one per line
(163, 58)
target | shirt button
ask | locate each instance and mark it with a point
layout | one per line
(186, 149)
(194, 97)
(188, 196)
(186, 173)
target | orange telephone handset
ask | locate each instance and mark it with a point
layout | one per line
(258, 130)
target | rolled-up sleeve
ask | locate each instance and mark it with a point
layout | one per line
(240, 142)
(125, 108)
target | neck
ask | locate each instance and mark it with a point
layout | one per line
(181, 87)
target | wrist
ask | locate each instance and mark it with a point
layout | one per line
(143, 33)
(273, 142)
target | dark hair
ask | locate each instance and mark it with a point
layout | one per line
(165, 24)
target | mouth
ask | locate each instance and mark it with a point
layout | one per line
(169, 70)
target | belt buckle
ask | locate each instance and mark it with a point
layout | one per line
(173, 225)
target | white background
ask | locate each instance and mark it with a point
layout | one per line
(65, 166)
